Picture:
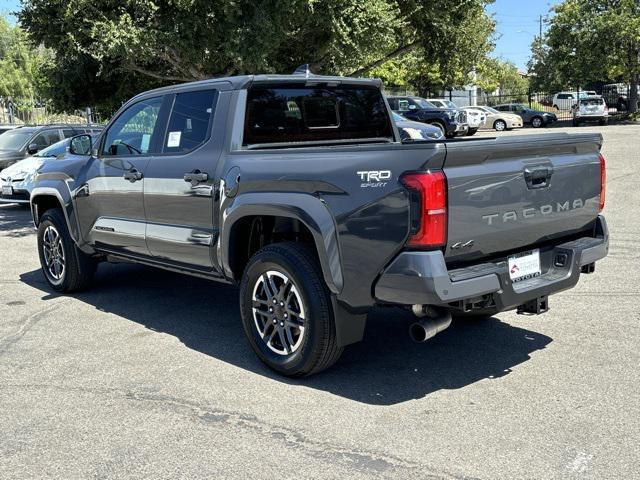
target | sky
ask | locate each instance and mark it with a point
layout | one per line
(518, 23)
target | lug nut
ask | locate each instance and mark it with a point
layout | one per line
(275, 320)
(282, 324)
(270, 309)
(282, 304)
(286, 315)
(275, 301)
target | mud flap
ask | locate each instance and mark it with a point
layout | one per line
(349, 325)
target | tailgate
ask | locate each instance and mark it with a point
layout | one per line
(508, 193)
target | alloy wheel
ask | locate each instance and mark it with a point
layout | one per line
(53, 251)
(278, 312)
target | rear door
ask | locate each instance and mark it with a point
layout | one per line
(506, 194)
(180, 182)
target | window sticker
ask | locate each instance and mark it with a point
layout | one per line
(174, 139)
(144, 144)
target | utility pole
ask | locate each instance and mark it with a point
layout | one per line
(540, 37)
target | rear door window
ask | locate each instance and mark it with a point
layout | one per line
(190, 121)
(288, 114)
(46, 138)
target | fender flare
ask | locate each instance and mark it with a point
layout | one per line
(63, 195)
(308, 209)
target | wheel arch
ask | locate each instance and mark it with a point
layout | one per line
(45, 198)
(305, 212)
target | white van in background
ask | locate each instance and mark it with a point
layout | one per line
(566, 100)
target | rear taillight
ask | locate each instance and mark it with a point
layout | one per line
(603, 181)
(430, 192)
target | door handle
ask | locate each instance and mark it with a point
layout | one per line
(132, 175)
(538, 177)
(195, 177)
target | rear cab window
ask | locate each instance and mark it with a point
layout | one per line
(278, 115)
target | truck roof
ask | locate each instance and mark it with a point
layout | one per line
(241, 82)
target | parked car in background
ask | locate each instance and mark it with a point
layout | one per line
(497, 120)
(451, 122)
(5, 128)
(616, 95)
(24, 141)
(443, 103)
(590, 109)
(16, 181)
(566, 100)
(415, 131)
(536, 118)
(475, 118)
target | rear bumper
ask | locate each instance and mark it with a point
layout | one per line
(423, 277)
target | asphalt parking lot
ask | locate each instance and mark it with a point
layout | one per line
(148, 375)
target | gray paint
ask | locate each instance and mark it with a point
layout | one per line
(358, 229)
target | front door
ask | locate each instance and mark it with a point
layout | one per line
(179, 186)
(110, 203)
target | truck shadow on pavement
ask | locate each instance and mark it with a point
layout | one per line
(15, 221)
(385, 369)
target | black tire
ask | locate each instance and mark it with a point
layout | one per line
(500, 125)
(316, 347)
(78, 268)
(471, 132)
(441, 127)
(576, 123)
(621, 106)
(604, 121)
(537, 122)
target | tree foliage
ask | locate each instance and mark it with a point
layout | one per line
(20, 65)
(136, 43)
(589, 41)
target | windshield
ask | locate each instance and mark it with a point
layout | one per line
(422, 103)
(449, 104)
(397, 117)
(14, 139)
(54, 150)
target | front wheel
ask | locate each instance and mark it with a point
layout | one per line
(604, 121)
(286, 310)
(65, 268)
(471, 132)
(440, 127)
(576, 123)
(500, 125)
(537, 122)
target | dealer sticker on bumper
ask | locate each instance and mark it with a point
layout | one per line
(524, 265)
(7, 190)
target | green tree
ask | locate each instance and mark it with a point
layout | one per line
(591, 40)
(20, 65)
(164, 41)
(495, 74)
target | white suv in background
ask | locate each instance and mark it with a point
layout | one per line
(566, 100)
(475, 118)
(590, 109)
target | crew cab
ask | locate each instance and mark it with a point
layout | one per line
(452, 122)
(298, 189)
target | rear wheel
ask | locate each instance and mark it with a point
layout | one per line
(576, 122)
(604, 121)
(500, 125)
(471, 132)
(537, 122)
(286, 310)
(65, 268)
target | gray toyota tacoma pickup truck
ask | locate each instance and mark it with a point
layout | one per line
(298, 189)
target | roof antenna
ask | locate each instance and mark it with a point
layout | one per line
(303, 70)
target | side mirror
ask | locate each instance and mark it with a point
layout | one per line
(33, 148)
(412, 107)
(80, 145)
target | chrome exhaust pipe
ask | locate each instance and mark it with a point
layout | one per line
(432, 321)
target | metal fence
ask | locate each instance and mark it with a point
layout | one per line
(12, 113)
